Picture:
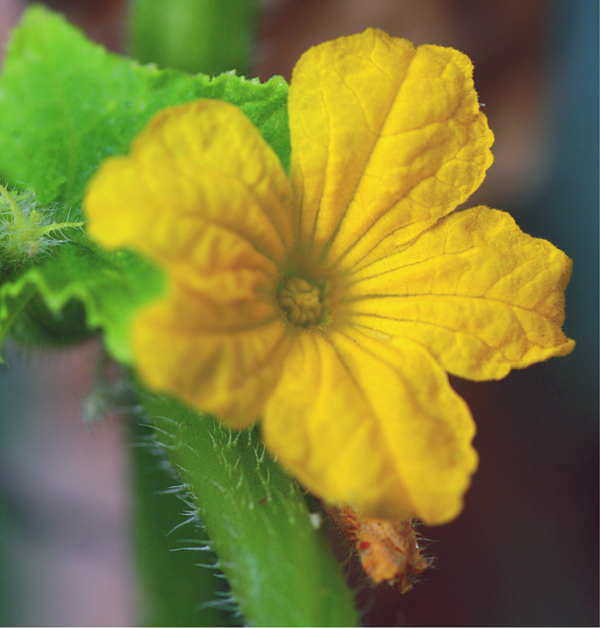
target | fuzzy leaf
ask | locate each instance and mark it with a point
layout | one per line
(66, 104)
(109, 286)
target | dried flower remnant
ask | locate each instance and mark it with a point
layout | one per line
(388, 550)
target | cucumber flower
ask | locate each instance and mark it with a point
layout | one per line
(331, 304)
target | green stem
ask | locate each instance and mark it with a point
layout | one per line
(281, 569)
(177, 591)
(209, 36)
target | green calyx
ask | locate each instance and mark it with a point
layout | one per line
(24, 231)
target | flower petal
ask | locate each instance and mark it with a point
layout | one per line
(199, 173)
(203, 195)
(357, 421)
(223, 359)
(386, 139)
(482, 296)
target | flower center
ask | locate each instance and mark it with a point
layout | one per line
(300, 300)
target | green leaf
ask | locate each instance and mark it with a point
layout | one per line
(281, 570)
(209, 36)
(110, 286)
(179, 586)
(66, 104)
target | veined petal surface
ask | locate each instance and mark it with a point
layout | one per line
(200, 190)
(482, 296)
(358, 421)
(204, 196)
(386, 139)
(223, 359)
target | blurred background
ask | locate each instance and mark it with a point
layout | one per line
(525, 550)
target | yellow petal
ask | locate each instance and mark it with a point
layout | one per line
(219, 358)
(200, 174)
(357, 421)
(480, 294)
(386, 139)
(203, 195)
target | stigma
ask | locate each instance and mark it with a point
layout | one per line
(301, 301)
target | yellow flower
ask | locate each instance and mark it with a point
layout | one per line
(330, 304)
